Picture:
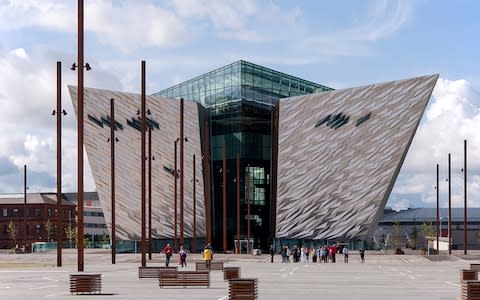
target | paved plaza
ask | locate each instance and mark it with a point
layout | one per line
(35, 276)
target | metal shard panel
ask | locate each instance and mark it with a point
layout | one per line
(127, 162)
(334, 179)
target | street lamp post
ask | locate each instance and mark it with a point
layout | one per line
(25, 206)
(80, 250)
(142, 159)
(438, 213)
(59, 112)
(113, 139)
(194, 180)
(449, 206)
(238, 204)
(175, 176)
(224, 168)
(181, 170)
(465, 199)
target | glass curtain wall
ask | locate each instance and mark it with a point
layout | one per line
(238, 101)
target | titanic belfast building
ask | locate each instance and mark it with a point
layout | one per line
(266, 156)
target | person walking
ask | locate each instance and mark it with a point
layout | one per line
(168, 253)
(362, 255)
(183, 257)
(272, 253)
(207, 255)
(345, 254)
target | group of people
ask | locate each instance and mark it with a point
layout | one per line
(182, 255)
(322, 254)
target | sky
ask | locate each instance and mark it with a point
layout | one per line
(336, 43)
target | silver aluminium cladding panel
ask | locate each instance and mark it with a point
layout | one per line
(165, 121)
(339, 154)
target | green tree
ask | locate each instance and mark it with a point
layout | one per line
(48, 229)
(414, 238)
(71, 233)
(12, 232)
(428, 233)
(396, 236)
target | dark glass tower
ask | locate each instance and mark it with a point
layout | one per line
(237, 102)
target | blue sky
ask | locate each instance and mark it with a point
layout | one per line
(336, 43)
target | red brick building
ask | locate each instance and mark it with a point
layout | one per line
(31, 219)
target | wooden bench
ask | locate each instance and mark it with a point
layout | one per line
(85, 283)
(242, 288)
(468, 275)
(152, 272)
(184, 278)
(231, 273)
(214, 265)
(470, 290)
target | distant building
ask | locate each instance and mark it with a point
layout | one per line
(30, 219)
(411, 221)
(94, 226)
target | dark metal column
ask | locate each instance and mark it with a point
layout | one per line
(438, 213)
(465, 241)
(112, 166)
(142, 159)
(149, 193)
(24, 231)
(449, 206)
(80, 116)
(238, 204)
(59, 165)
(194, 180)
(208, 187)
(247, 199)
(181, 170)
(224, 206)
(175, 176)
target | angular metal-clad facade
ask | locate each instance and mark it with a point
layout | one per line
(165, 123)
(339, 154)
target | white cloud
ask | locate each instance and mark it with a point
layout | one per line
(452, 116)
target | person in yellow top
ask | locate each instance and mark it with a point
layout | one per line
(207, 254)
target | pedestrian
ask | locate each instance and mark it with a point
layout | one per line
(183, 257)
(207, 255)
(362, 255)
(345, 254)
(284, 254)
(168, 253)
(272, 253)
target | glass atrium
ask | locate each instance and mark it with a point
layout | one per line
(239, 99)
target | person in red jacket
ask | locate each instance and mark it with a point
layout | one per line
(168, 254)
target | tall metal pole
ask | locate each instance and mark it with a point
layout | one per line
(181, 170)
(149, 192)
(247, 198)
(238, 204)
(25, 206)
(208, 187)
(80, 252)
(112, 166)
(449, 207)
(175, 175)
(224, 168)
(143, 242)
(465, 199)
(59, 165)
(438, 213)
(194, 180)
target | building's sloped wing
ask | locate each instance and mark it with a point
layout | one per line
(164, 119)
(339, 154)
